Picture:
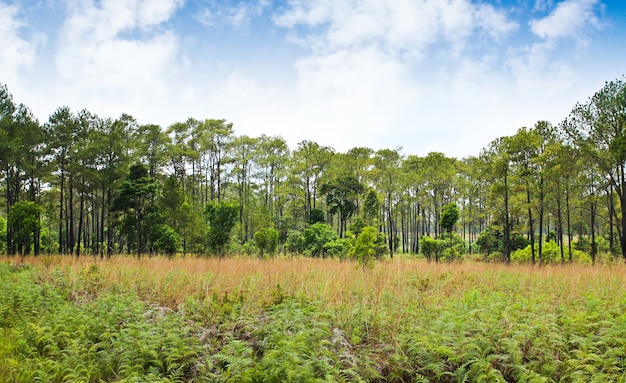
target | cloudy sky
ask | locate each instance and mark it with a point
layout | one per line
(424, 75)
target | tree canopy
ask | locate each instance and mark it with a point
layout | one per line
(79, 183)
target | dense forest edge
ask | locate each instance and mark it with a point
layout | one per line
(80, 184)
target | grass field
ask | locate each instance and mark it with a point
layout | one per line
(303, 320)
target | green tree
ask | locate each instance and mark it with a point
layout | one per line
(214, 142)
(266, 240)
(134, 199)
(371, 207)
(386, 173)
(598, 130)
(242, 157)
(367, 246)
(341, 196)
(22, 156)
(24, 218)
(315, 237)
(167, 240)
(496, 170)
(449, 217)
(309, 162)
(272, 157)
(490, 240)
(151, 145)
(221, 218)
(438, 174)
(316, 216)
(431, 247)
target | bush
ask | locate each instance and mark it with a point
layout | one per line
(551, 253)
(316, 236)
(431, 247)
(338, 248)
(453, 248)
(490, 241)
(294, 242)
(266, 240)
(168, 241)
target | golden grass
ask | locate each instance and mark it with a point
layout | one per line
(257, 282)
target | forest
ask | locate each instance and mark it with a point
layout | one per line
(81, 184)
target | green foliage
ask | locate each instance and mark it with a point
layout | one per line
(368, 246)
(168, 241)
(295, 242)
(338, 248)
(3, 235)
(431, 247)
(551, 253)
(24, 218)
(449, 216)
(341, 197)
(358, 223)
(452, 248)
(221, 218)
(266, 240)
(371, 206)
(315, 237)
(135, 199)
(48, 337)
(316, 216)
(491, 242)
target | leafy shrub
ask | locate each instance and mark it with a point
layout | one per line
(453, 248)
(266, 240)
(295, 242)
(338, 248)
(168, 241)
(431, 247)
(315, 237)
(490, 241)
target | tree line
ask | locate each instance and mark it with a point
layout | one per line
(83, 184)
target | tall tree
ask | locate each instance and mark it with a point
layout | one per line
(221, 218)
(134, 199)
(309, 162)
(24, 218)
(242, 157)
(496, 169)
(21, 156)
(63, 129)
(214, 141)
(341, 197)
(598, 130)
(385, 173)
(272, 157)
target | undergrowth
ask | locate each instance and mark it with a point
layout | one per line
(303, 320)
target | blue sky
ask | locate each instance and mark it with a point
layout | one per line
(424, 75)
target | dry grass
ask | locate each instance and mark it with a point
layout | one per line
(330, 282)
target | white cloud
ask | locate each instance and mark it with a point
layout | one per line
(16, 53)
(236, 15)
(569, 20)
(370, 69)
(398, 26)
(117, 52)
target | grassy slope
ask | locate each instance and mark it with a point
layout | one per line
(309, 319)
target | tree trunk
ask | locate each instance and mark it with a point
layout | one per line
(507, 221)
(530, 223)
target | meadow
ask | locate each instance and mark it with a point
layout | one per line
(308, 320)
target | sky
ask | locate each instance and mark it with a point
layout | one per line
(421, 75)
